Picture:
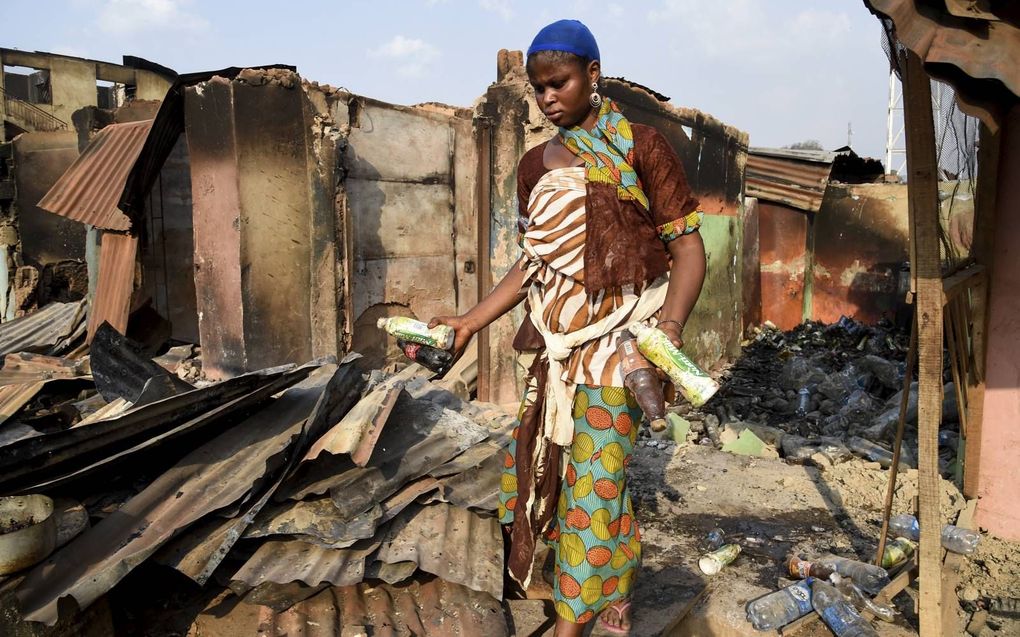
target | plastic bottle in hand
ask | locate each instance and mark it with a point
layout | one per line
(408, 329)
(778, 609)
(695, 385)
(954, 538)
(640, 378)
(868, 576)
(431, 358)
(838, 613)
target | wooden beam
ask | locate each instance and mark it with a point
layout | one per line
(951, 569)
(964, 279)
(922, 180)
(484, 132)
(981, 250)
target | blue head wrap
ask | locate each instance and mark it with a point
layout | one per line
(566, 35)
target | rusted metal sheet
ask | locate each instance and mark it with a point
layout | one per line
(287, 561)
(359, 430)
(428, 606)
(782, 242)
(112, 302)
(14, 397)
(458, 545)
(199, 552)
(319, 521)
(46, 459)
(860, 243)
(428, 436)
(50, 328)
(795, 178)
(25, 367)
(976, 56)
(90, 189)
(477, 487)
(212, 477)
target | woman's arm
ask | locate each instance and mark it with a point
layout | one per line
(507, 294)
(686, 276)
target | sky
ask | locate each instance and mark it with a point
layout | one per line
(784, 71)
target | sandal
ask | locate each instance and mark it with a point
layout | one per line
(619, 608)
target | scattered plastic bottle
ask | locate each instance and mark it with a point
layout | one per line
(803, 401)
(431, 358)
(869, 577)
(960, 540)
(870, 451)
(803, 569)
(781, 607)
(838, 613)
(954, 538)
(860, 599)
(695, 385)
(408, 329)
(905, 525)
(640, 378)
(712, 563)
(714, 539)
(897, 552)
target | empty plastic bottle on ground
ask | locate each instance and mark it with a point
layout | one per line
(954, 538)
(897, 551)
(838, 613)
(408, 329)
(695, 385)
(431, 358)
(860, 599)
(869, 577)
(803, 569)
(640, 378)
(778, 609)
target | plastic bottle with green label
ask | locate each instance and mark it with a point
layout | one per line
(695, 385)
(408, 329)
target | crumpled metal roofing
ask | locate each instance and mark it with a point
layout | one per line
(429, 607)
(47, 459)
(792, 177)
(286, 561)
(48, 329)
(89, 191)
(977, 56)
(217, 474)
(456, 544)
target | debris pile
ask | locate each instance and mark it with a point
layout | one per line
(296, 489)
(820, 395)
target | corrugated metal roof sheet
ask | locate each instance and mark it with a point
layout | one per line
(431, 607)
(795, 178)
(977, 56)
(89, 191)
(43, 330)
(214, 476)
(112, 301)
(456, 544)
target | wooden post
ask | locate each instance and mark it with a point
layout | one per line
(922, 165)
(483, 131)
(981, 250)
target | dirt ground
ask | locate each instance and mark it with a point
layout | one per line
(774, 509)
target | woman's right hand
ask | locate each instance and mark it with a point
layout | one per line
(462, 328)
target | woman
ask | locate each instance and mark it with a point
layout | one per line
(609, 236)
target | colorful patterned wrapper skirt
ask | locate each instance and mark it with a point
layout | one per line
(595, 536)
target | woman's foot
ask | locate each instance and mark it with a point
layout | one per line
(616, 617)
